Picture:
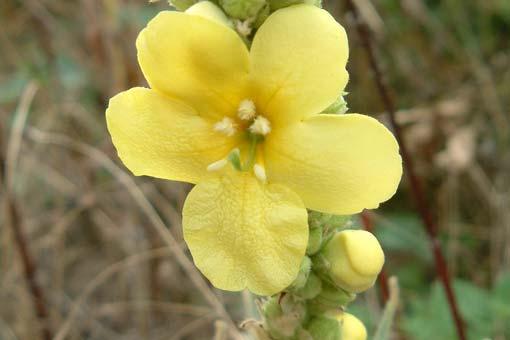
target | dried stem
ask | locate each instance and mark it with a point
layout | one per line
(12, 213)
(13, 219)
(414, 183)
(146, 206)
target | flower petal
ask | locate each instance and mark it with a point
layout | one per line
(196, 60)
(298, 60)
(338, 164)
(244, 234)
(161, 137)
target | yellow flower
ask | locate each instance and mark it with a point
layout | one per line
(212, 99)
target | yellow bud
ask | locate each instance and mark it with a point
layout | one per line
(355, 258)
(209, 10)
(352, 327)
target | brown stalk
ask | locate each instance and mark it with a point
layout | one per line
(13, 216)
(417, 191)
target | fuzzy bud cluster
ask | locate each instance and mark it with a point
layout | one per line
(340, 262)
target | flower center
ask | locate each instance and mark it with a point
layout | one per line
(254, 127)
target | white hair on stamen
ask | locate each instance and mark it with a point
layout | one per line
(226, 126)
(261, 126)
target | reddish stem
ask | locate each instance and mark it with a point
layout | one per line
(415, 185)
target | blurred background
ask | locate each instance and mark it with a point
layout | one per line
(97, 239)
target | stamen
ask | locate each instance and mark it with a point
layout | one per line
(226, 126)
(260, 172)
(261, 126)
(246, 110)
(218, 165)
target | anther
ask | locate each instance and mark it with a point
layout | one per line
(260, 172)
(226, 126)
(218, 165)
(246, 109)
(260, 126)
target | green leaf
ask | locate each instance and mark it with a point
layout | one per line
(430, 318)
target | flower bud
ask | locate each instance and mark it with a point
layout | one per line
(209, 10)
(352, 327)
(355, 259)
(242, 9)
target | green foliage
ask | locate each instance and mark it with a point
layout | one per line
(486, 312)
(403, 233)
(500, 305)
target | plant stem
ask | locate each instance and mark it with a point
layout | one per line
(414, 183)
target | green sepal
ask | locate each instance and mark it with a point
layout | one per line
(325, 328)
(302, 277)
(262, 15)
(182, 5)
(303, 334)
(277, 4)
(283, 316)
(339, 106)
(242, 9)
(314, 241)
(311, 289)
(331, 298)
